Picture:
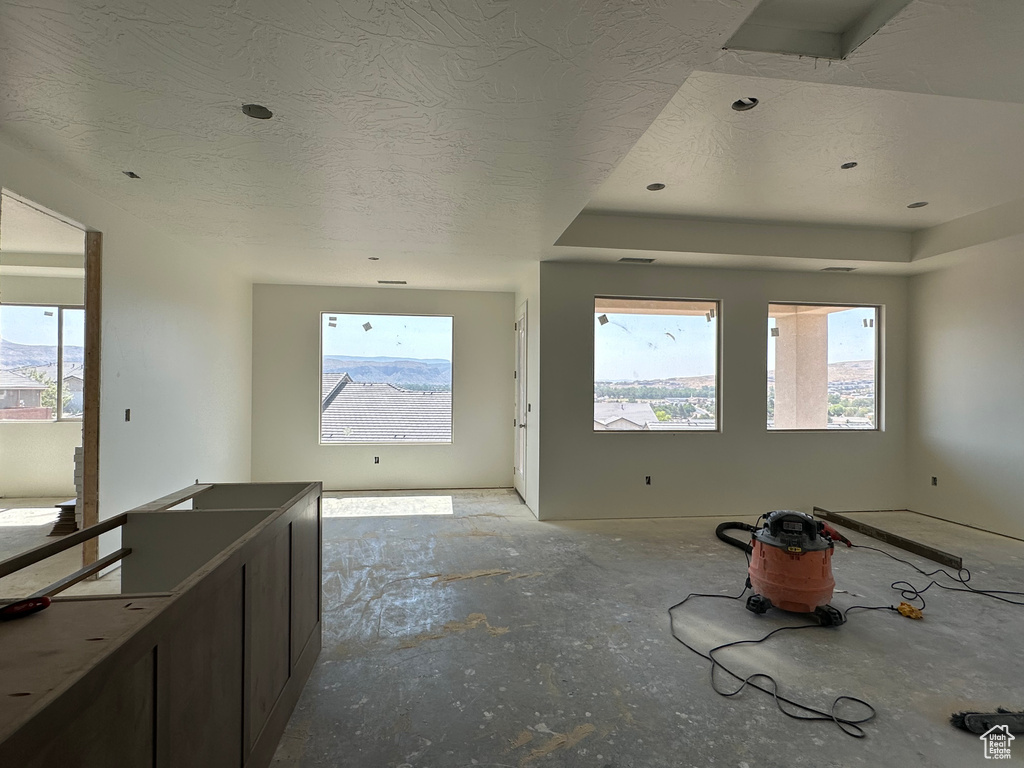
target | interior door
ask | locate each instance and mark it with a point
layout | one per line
(521, 408)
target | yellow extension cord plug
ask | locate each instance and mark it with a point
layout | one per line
(910, 611)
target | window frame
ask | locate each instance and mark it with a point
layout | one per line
(320, 368)
(718, 304)
(59, 409)
(879, 425)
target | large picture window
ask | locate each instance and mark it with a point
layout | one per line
(385, 378)
(823, 367)
(655, 364)
(42, 359)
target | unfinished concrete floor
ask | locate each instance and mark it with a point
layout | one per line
(488, 638)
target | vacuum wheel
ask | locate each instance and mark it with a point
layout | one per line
(758, 604)
(829, 616)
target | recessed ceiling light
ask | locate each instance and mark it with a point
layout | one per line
(635, 260)
(131, 174)
(257, 111)
(742, 105)
(848, 166)
(392, 282)
(656, 187)
(917, 205)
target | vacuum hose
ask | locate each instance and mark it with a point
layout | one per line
(746, 546)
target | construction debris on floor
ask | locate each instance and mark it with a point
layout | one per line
(488, 638)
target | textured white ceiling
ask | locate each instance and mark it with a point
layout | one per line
(455, 139)
(780, 161)
(452, 138)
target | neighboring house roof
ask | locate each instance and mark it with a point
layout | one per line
(620, 425)
(680, 424)
(357, 412)
(637, 413)
(12, 380)
(328, 383)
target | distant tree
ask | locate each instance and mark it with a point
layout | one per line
(49, 397)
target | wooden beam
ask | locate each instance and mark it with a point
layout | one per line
(932, 553)
(82, 573)
(91, 395)
(32, 556)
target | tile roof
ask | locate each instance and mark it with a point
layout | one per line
(12, 380)
(638, 413)
(358, 412)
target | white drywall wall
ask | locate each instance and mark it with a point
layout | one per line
(176, 348)
(743, 470)
(19, 289)
(37, 458)
(966, 424)
(286, 389)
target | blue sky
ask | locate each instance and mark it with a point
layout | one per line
(634, 347)
(630, 347)
(848, 339)
(411, 336)
(30, 325)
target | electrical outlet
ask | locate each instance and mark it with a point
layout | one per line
(127, 414)
(376, 459)
(935, 481)
(647, 480)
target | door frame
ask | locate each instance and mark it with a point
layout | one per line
(521, 420)
(91, 394)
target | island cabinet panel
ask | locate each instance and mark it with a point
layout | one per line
(200, 672)
(306, 568)
(203, 667)
(115, 729)
(269, 596)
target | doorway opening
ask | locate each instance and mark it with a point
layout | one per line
(49, 376)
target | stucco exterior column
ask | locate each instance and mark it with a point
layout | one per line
(801, 369)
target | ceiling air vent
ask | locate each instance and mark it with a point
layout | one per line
(839, 269)
(825, 29)
(392, 282)
(635, 260)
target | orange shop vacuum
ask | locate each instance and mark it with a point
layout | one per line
(790, 564)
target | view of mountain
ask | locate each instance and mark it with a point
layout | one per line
(402, 372)
(853, 371)
(14, 355)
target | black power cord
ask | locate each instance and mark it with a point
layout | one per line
(911, 593)
(849, 725)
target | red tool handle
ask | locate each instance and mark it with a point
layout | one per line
(836, 535)
(24, 608)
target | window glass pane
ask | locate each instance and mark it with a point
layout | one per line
(28, 363)
(73, 362)
(655, 364)
(822, 367)
(385, 379)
